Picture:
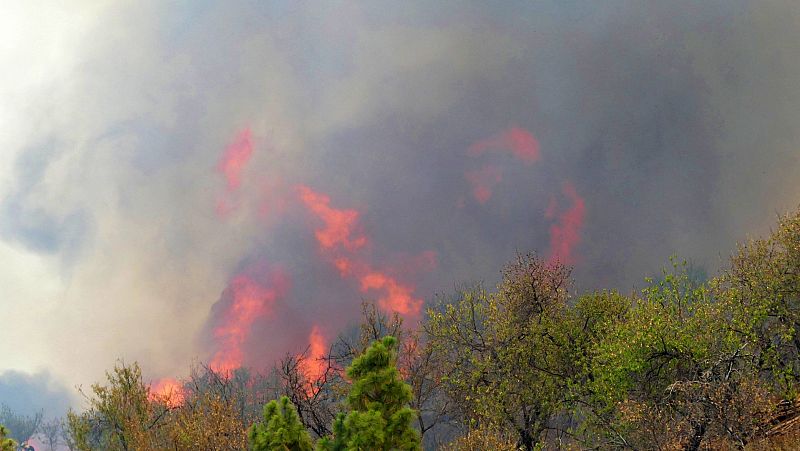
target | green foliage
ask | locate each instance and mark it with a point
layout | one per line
(761, 292)
(671, 372)
(281, 429)
(666, 334)
(509, 356)
(121, 415)
(6, 444)
(379, 417)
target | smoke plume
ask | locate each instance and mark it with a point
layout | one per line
(227, 182)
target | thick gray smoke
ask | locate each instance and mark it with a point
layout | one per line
(676, 123)
(27, 394)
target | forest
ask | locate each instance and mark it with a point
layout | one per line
(689, 362)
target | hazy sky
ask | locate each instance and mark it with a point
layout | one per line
(162, 164)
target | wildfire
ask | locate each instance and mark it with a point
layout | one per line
(230, 165)
(250, 300)
(483, 181)
(396, 297)
(339, 224)
(515, 140)
(565, 232)
(235, 158)
(343, 243)
(168, 391)
(339, 241)
(520, 142)
(314, 365)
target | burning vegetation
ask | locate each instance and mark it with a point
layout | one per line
(684, 364)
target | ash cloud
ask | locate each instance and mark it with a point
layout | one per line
(677, 124)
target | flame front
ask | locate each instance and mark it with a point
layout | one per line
(250, 300)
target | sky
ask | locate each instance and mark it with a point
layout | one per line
(226, 182)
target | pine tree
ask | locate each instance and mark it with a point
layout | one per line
(6, 444)
(281, 429)
(379, 417)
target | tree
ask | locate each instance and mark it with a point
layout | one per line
(761, 292)
(236, 397)
(483, 437)
(507, 357)
(122, 415)
(22, 427)
(51, 431)
(315, 395)
(207, 421)
(415, 361)
(6, 444)
(281, 429)
(671, 373)
(379, 417)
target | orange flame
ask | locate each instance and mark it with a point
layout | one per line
(317, 350)
(339, 224)
(339, 242)
(250, 301)
(520, 142)
(565, 232)
(235, 158)
(168, 391)
(397, 297)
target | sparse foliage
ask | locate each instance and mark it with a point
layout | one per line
(20, 427)
(51, 432)
(122, 415)
(6, 443)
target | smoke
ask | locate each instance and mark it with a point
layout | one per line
(216, 182)
(517, 140)
(27, 394)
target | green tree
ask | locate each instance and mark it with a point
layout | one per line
(122, 415)
(509, 356)
(6, 444)
(761, 292)
(379, 417)
(672, 374)
(281, 429)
